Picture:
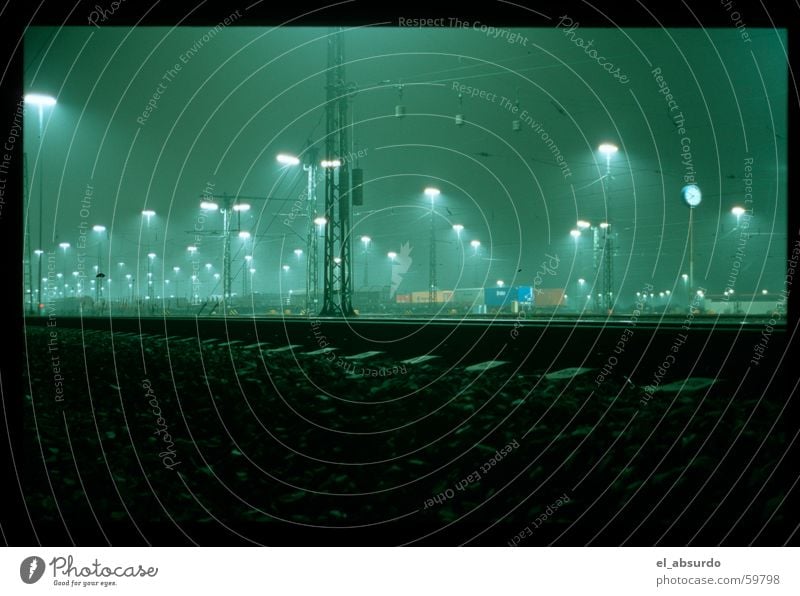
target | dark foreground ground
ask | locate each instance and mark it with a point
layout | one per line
(181, 442)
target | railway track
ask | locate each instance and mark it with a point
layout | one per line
(704, 347)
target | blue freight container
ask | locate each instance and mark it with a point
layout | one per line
(498, 297)
(525, 295)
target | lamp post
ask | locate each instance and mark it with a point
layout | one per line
(691, 197)
(608, 150)
(150, 258)
(432, 193)
(39, 252)
(64, 246)
(312, 237)
(177, 270)
(285, 281)
(41, 102)
(147, 214)
(252, 271)
(193, 287)
(600, 261)
(120, 273)
(245, 236)
(247, 266)
(685, 278)
(392, 289)
(738, 212)
(99, 275)
(476, 245)
(458, 228)
(365, 240)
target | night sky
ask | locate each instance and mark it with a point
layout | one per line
(243, 95)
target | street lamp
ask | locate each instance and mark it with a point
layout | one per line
(432, 193)
(39, 252)
(148, 214)
(312, 233)
(41, 102)
(98, 288)
(150, 258)
(64, 246)
(247, 260)
(365, 240)
(177, 270)
(691, 196)
(738, 212)
(476, 245)
(285, 284)
(209, 206)
(458, 228)
(287, 160)
(608, 150)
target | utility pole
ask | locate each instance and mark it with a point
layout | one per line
(337, 290)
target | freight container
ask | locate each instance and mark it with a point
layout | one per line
(468, 297)
(548, 297)
(498, 297)
(525, 296)
(420, 297)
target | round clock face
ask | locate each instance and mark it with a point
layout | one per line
(691, 195)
